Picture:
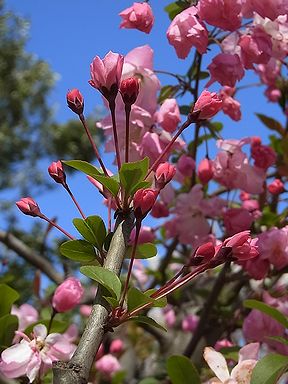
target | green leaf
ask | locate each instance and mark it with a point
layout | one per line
(159, 302)
(185, 109)
(174, 9)
(78, 250)
(103, 276)
(56, 327)
(141, 185)
(84, 167)
(279, 339)
(109, 182)
(92, 229)
(8, 297)
(118, 377)
(112, 301)
(181, 370)
(268, 310)
(149, 380)
(203, 75)
(143, 251)
(269, 369)
(107, 241)
(147, 320)
(271, 123)
(8, 326)
(136, 298)
(132, 174)
(167, 92)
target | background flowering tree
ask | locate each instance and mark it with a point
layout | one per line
(217, 224)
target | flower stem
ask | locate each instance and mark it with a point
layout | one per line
(127, 133)
(75, 201)
(56, 226)
(115, 135)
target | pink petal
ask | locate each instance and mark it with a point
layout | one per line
(217, 363)
(243, 371)
(249, 352)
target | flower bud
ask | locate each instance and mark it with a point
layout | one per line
(276, 187)
(29, 206)
(57, 173)
(67, 295)
(203, 254)
(75, 101)
(143, 201)
(164, 173)
(186, 165)
(116, 347)
(205, 171)
(207, 105)
(129, 89)
(160, 209)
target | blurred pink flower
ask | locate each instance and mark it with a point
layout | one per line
(168, 116)
(67, 295)
(226, 68)
(108, 365)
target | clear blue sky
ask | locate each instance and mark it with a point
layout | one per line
(69, 33)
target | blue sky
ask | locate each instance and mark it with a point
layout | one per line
(68, 34)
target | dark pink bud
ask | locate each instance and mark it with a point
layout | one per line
(276, 187)
(116, 347)
(143, 201)
(205, 171)
(186, 165)
(67, 295)
(203, 254)
(75, 101)
(164, 173)
(57, 173)
(29, 207)
(129, 89)
(160, 209)
(207, 105)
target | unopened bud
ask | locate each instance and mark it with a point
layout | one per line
(29, 207)
(205, 171)
(164, 173)
(75, 101)
(207, 105)
(203, 254)
(276, 187)
(143, 201)
(129, 90)
(57, 173)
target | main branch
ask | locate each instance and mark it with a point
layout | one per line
(77, 370)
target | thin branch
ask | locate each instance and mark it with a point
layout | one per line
(77, 370)
(16, 245)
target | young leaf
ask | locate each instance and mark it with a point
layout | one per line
(269, 369)
(56, 327)
(181, 370)
(8, 297)
(157, 303)
(271, 123)
(132, 174)
(136, 298)
(149, 380)
(143, 251)
(8, 326)
(78, 250)
(112, 301)
(92, 229)
(109, 183)
(270, 311)
(84, 167)
(147, 320)
(103, 276)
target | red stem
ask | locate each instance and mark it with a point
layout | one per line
(75, 201)
(127, 137)
(115, 135)
(57, 226)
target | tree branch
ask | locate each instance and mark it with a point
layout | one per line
(34, 258)
(77, 370)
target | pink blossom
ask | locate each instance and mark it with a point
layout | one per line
(269, 72)
(187, 31)
(237, 220)
(225, 68)
(57, 173)
(106, 74)
(256, 268)
(205, 171)
(26, 314)
(273, 246)
(241, 373)
(164, 174)
(67, 295)
(160, 209)
(224, 14)
(255, 48)
(143, 201)
(108, 365)
(169, 316)
(75, 101)
(223, 343)
(190, 323)
(116, 347)
(207, 105)
(129, 89)
(230, 106)
(29, 207)
(263, 155)
(85, 310)
(243, 246)
(203, 254)
(186, 165)
(31, 357)
(138, 16)
(273, 94)
(268, 8)
(168, 115)
(276, 187)
(146, 235)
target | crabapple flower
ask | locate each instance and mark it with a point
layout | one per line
(116, 347)
(243, 246)
(203, 254)
(223, 343)
(57, 173)
(224, 14)
(160, 209)
(29, 207)
(169, 316)
(205, 171)
(269, 8)
(207, 105)
(237, 220)
(138, 16)
(164, 174)
(31, 357)
(67, 295)
(276, 187)
(129, 89)
(225, 68)
(168, 115)
(189, 323)
(75, 101)
(263, 155)
(186, 165)
(187, 31)
(143, 201)
(241, 373)
(26, 315)
(230, 106)
(106, 74)
(108, 365)
(255, 48)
